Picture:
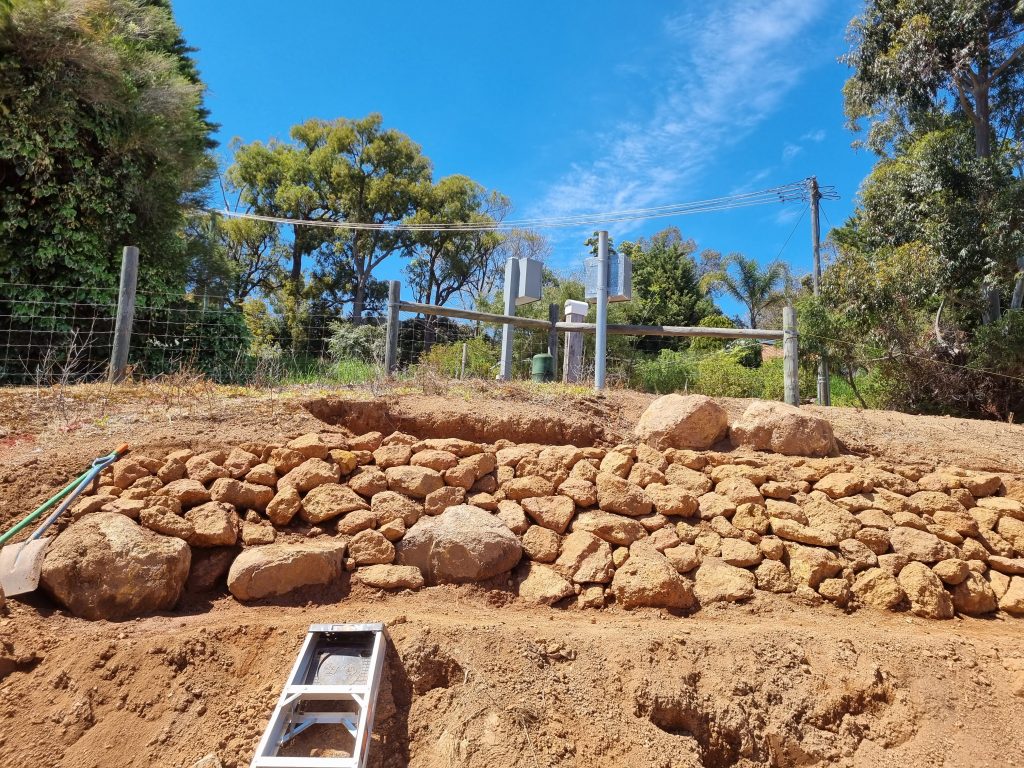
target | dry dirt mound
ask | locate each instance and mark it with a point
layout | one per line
(772, 649)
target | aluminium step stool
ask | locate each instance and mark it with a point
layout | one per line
(334, 681)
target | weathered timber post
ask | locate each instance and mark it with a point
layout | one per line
(572, 368)
(790, 363)
(553, 338)
(391, 335)
(465, 357)
(125, 313)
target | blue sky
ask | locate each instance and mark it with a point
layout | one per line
(565, 107)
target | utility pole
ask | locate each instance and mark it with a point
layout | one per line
(601, 342)
(824, 383)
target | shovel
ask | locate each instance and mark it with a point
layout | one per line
(21, 564)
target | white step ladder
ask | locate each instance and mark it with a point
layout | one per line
(334, 682)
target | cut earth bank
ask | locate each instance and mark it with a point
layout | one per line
(660, 522)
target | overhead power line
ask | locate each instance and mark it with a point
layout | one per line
(785, 193)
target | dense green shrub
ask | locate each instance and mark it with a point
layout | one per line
(446, 359)
(348, 341)
(670, 371)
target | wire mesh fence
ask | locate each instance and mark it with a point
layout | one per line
(64, 334)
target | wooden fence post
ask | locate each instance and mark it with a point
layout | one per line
(572, 370)
(125, 313)
(391, 336)
(790, 363)
(554, 317)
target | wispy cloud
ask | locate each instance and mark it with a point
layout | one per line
(790, 151)
(740, 60)
(817, 136)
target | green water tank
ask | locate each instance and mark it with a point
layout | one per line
(543, 368)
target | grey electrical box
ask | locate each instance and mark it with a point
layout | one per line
(530, 281)
(620, 277)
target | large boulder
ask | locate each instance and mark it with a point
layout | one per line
(107, 567)
(682, 421)
(781, 428)
(928, 598)
(462, 544)
(276, 569)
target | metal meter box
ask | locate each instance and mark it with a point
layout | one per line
(620, 277)
(530, 280)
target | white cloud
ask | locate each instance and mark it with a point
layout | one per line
(817, 136)
(790, 151)
(734, 65)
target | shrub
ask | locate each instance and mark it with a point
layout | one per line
(446, 359)
(363, 343)
(720, 375)
(670, 371)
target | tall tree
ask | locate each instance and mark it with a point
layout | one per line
(373, 176)
(666, 283)
(102, 136)
(917, 61)
(755, 288)
(444, 263)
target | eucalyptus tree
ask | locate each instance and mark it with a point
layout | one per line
(336, 172)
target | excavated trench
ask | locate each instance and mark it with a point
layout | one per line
(581, 422)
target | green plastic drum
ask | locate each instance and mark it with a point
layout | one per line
(543, 368)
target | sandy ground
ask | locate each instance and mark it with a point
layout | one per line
(474, 677)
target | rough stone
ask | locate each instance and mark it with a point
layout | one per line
(952, 571)
(284, 506)
(214, 524)
(541, 544)
(1012, 600)
(355, 521)
(615, 529)
(751, 517)
(368, 481)
(920, 545)
(583, 493)
(647, 578)
(104, 566)
(973, 596)
(310, 474)
(716, 581)
(371, 547)
(928, 598)
(684, 558)
(462, 544)
(713, 505)
(512, 515)
(241, 494)
(328, 501)
(167, 523)
(740, 553)
(773, 576)
(811, 565)
(878, 588)
(672, 500)
(585, 558)
(528, 487)
(390, 576)
(188, 492)
(279, 568)
(616, 464)
(554, 512)
(541, 584)
(836, 591)
(388, 506)
(417, 482)
(682, 421)
(785, 429)
(614, 494)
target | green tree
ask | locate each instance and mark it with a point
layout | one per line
(755, 288)
(920, 65)
(102, 136)
(445, 262)
(337, 171)
(666, 285)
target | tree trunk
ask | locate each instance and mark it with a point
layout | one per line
(983, 149)
(296, 275)
(1018, 289)
(358, 300)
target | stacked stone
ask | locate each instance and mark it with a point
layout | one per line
(640, 524)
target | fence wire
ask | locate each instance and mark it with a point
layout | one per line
(64, 334)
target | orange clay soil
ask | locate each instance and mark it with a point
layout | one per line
(474, 676)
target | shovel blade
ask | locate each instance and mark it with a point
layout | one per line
(21, 564)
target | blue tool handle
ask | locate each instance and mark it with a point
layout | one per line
(98, 466)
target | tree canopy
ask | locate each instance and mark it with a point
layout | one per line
(103, 136)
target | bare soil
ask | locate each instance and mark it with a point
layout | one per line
(474, 677)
